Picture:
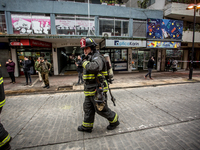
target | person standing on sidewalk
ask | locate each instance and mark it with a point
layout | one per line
(26, 67)
(45, 68)
(174, 65)
(38, 69)
(5, 137)
(11, 70)
(79, 70)
(150, 67)
(94, 72)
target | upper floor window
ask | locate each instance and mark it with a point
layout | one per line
(75, 25)
(31, 24)
(113, 27)
(139, 28)
(2, 23)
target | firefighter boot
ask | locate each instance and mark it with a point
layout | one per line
(7, 145)
(112, 126)
(81, 128)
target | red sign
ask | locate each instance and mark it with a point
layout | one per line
(21, 42)
(40, 44)
(82, 42)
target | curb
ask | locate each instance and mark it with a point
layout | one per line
(39, 91)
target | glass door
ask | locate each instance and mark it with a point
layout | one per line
(146, 59)
(134, 61)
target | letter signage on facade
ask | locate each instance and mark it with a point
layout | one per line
(164, 29)
(125, 43)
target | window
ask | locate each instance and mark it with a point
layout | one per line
(2, 23)
(113, 27)
(31, 24)
(75, 25)
(139, 28)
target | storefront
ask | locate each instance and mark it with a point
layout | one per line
(123, 53)
(32, 49)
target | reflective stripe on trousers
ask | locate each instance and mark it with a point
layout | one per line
(87, 125)
(115, 119)
(5, 141)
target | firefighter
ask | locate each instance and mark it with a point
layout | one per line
(4, 135)
(95, 87)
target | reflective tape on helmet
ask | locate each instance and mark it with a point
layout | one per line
(91, 40)
(85, 63)
(5, 140)
(2, 103)
(87, 125)
(88, 76)
(89, 93)
(1, 80)
(115, 119)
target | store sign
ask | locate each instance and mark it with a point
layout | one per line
(164, 29)
(159, 44)
(125, 43)
(20, 42)
(40, 44)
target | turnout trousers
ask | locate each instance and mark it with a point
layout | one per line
(90, 108)
(45, 78)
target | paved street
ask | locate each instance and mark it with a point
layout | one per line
(161, 117)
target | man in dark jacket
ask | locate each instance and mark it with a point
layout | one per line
(11, 69)
(95, 87)
(79, 70)
(150, 67)
(26, 67)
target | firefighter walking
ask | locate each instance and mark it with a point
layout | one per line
(95, 87)
(4, 135)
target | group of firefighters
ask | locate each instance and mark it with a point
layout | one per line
(96, 84)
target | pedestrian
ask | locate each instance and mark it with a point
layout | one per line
(150, 67)
(79, 70)
(95, 87)
(5, 137)
(174, 65)
(26, 67)
(45, 68)
(11, 70)
(38, 69)
(168, 65)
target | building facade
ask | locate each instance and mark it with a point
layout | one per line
(53, 29)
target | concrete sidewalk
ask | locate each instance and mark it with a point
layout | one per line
(121, 80)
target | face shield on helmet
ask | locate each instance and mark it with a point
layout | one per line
(87, 42)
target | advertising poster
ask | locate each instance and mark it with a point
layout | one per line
(73, 24)
(164, 29)
(159, 44)
(120, 66)
(26, 24)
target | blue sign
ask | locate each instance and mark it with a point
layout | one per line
(164, 29)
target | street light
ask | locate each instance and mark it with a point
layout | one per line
(193, 6)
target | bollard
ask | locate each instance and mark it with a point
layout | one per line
(4, 135)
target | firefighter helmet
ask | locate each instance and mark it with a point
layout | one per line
(87, 42)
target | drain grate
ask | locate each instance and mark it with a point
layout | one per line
(65, 88)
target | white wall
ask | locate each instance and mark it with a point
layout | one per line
(14, 59)
(188, 35)
(55, 60)
(159, 5)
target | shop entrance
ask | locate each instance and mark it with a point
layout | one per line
(33, 54)
(140, 58)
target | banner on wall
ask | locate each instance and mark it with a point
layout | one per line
(159, 44)
(26, 24)
(73, 24)
(164, 29)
